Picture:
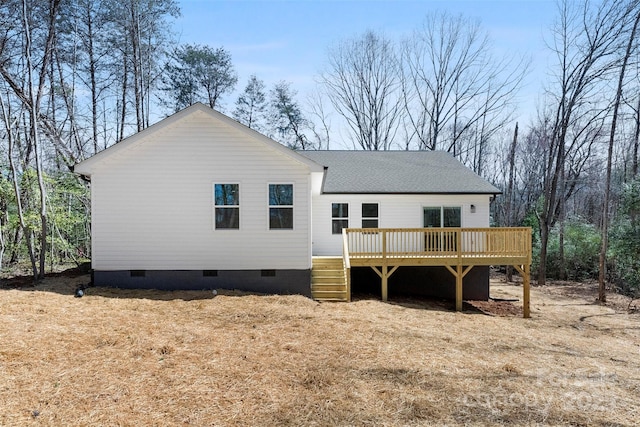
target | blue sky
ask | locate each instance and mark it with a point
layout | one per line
(288, 40)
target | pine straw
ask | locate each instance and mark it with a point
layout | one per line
(117, 357)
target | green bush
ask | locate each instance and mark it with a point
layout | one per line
(581, 250)
(624, 247)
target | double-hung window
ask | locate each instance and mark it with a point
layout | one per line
(369, 215)
(281, 206)
(227, 206)
(339, 217)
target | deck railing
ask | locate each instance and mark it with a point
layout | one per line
(500, 243)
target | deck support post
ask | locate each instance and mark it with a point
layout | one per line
(385, 282)
(526, 311)
(459, 287)
(384, 274)
(525, 272)
(459, 274)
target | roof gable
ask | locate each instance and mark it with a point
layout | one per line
(86, 167)
(402, 172)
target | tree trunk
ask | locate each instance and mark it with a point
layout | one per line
(602, 290)
(92, 78)
(562, 262)
(134, 39)
(544, 242)
(3, 245)
(35, 95)
(508, 214)
(123, 100)
(636, 142)
(16, 188)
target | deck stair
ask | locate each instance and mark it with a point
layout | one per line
(328, 279)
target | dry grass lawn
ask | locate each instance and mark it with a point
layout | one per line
(133, 358)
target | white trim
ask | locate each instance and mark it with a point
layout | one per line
(442, 207)
(293, 207)
(363, 218)
(214, 206)
(340, 218)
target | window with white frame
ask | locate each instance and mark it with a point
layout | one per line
(339, 217)
(442, 216)
(227, 206)
(369, 215)
(281, 206)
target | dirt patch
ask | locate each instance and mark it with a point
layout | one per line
(589, 291)
(19, 277)
(496, 308)
(125, 357)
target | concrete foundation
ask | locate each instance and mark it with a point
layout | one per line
(263, 281)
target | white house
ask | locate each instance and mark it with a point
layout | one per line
(199, 200)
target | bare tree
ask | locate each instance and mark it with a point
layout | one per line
(602, 267)
(510, 188)
(454, 89)
(9, 126)
(321, 126)
(586, 40)
(138, 38)
(363, 83)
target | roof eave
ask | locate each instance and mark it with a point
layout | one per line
(488, 193)
(85, 167)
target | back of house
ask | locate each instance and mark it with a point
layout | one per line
(200, 201)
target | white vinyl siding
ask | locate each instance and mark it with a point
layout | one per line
(394, 210)
(153, 204)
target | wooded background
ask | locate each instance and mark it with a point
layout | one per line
(80, 75)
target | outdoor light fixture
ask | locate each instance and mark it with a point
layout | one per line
(473, 208)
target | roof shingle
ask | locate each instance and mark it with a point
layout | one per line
(404, 172)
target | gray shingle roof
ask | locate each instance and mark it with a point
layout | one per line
(409, 172)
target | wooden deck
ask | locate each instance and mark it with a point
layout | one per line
(457, 249)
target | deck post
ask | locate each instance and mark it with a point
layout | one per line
(459, 287)
(526, 311)
(385, 277)
(459, 273)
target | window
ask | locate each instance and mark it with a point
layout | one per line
(227, 206)
(281, 206)
(437, 217)
(339, 217)
(369, 215)
(451, 217)
(447, 216)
